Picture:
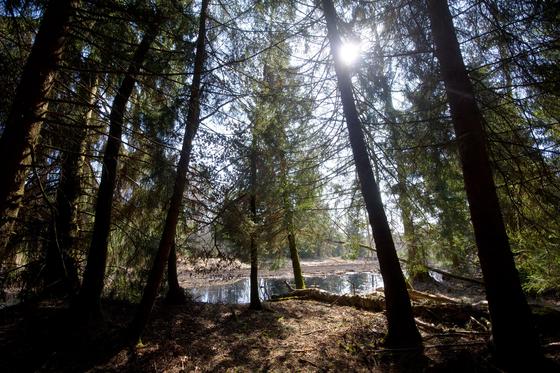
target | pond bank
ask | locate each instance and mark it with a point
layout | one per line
(214, 272)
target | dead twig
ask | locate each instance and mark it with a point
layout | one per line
(301, 360)
(315, 331)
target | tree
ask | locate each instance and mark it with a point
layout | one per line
(514, 336)
(60, 269)
(416, 258)
(255, 302)
(278, 107)
(94, 275)
(29, 107)
(402, 329)
(168, 236)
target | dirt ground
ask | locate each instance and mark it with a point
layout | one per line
(290, 335)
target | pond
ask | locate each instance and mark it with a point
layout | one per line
(239, 291)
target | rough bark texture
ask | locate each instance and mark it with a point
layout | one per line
(514, 336)
(94, 275)
(371, 302)
(61, 275)
(294, 255)
(402, 329)
(170, 228)
(255, 301)
(28, 111)
(175, 293)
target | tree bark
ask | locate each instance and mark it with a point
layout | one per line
(175, 293)
(402, 330)
(94, 275)
(61, 273)
(28, 111)
(294, 255)
(255, 301)
(515, 339)
(170, 228)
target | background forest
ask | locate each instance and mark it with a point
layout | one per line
(138, 132)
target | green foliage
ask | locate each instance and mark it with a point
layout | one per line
(268, 93)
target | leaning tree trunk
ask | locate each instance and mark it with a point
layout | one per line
(402, 331)
(514, 336)
(61, 274)
(94, 275)
(170, 228)
(28, 111)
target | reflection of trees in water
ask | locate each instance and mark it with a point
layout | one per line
(239, 291)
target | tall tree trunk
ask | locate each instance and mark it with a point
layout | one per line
(170, 228)
(94, 275)
(289, 223)
(28, 111)
(416, 264)
(514, 336)
(255, 301)
(402, 329)
(61, 274)
(175, 293)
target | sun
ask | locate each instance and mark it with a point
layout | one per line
(349, 52)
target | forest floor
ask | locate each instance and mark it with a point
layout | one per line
(288, 335)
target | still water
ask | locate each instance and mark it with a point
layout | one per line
(238, 292)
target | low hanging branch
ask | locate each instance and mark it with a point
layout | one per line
(437, 270)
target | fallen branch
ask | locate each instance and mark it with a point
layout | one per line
(552, 345)
(301, 360)
(437, 270)
(439, 309)
(416, 295)
(455, 333)
(448, 345)
(428, 326)
(315, 331)
(374, 303)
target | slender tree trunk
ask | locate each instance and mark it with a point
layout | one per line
(289, 224)
(514, 336)
(255, 301)
(175, 293)
(28, 111)
(294, 255)
(170, 228)
(446, 217)
(61, 274)
(402, 329)
(416, 261)
(94, 275)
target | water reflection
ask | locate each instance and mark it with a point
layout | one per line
(239, 291)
